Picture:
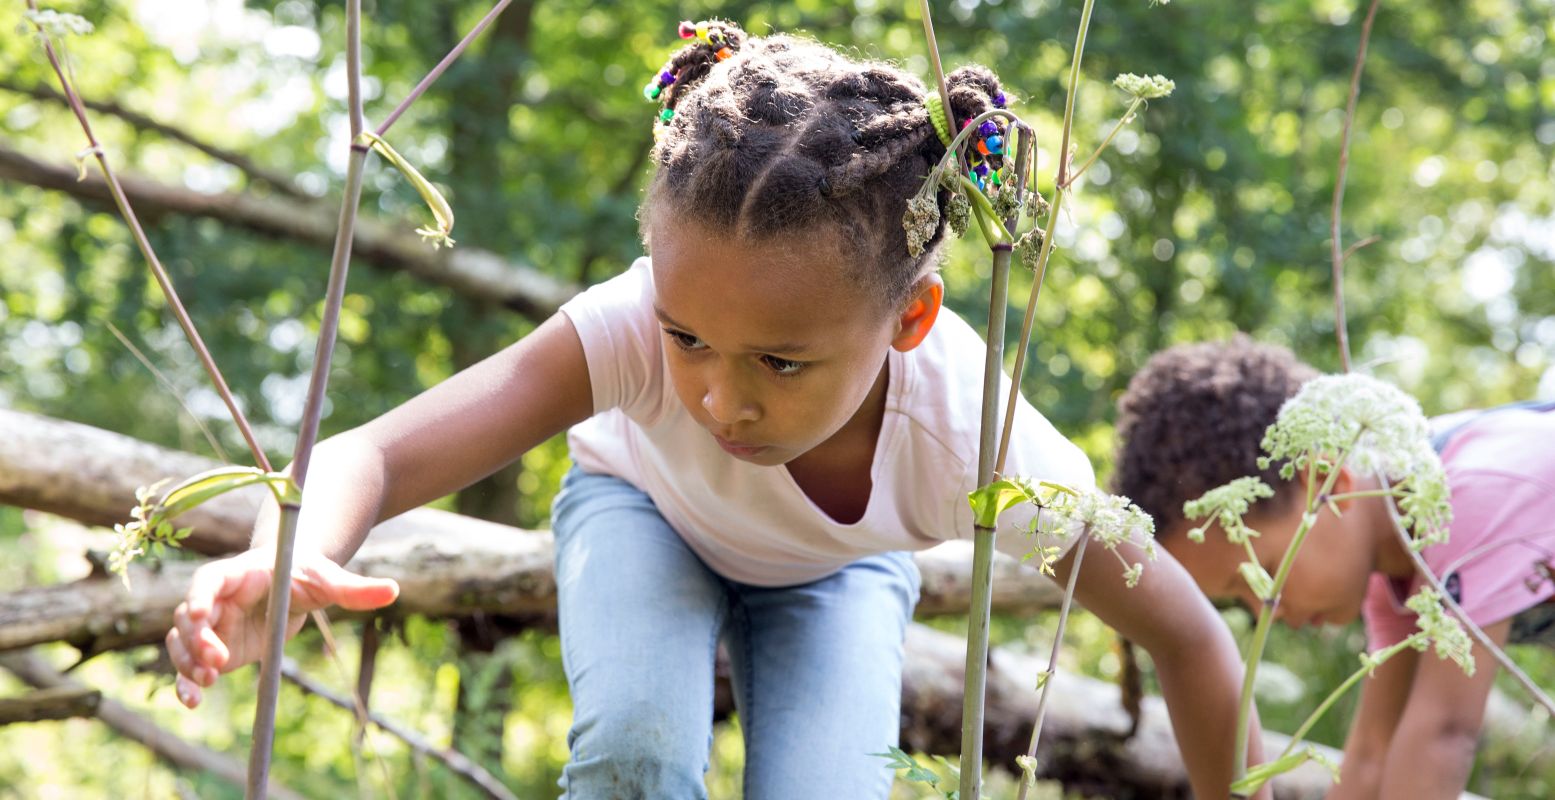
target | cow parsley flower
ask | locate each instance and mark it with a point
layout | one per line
(1445, 632)
(1227, 505)
(1145, 87)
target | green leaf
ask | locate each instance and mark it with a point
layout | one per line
(994, 499)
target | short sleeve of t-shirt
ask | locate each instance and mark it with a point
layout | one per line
(1503, 502)
(622, 344)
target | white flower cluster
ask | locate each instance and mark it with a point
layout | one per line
(1110, 519)
(55, 24)
(1227, 505)
(1444, 631)
(1145, 87)
(1375, 428)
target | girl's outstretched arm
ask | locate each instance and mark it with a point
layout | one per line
(1432, 751)
(1194, 653)
(443, 440)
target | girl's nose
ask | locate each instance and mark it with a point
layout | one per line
(727, 408)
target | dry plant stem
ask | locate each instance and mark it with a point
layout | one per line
(1457, 611)
(173, 301)
(1244, 707)
(1060, 188)
(442, 66)
(1338, 204)
(364, 675)
(976, 674)
(276, 614)
(452, 759)
(1052, 660)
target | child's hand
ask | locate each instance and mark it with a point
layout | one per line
(220, 625)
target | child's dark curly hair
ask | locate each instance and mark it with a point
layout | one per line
(786, 135)
(1193, 418)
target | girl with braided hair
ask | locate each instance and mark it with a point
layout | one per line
(767, 414)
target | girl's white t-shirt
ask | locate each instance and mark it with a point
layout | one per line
(753, 524)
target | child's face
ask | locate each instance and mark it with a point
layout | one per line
(772, 349)
(1327, 584)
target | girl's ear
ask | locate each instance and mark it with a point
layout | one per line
(922, 309)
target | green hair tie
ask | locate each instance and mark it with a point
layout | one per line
(937, 117)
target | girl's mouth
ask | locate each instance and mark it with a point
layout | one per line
(740, 450)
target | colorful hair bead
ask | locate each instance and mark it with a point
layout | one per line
(701, 31)
(987, 129)
(666, 115)
(723, 53)
(652, 90)
(982, 147)
(688, 29)
(999, 100)
(995, 144)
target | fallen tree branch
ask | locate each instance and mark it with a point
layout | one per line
(63, 702)
(453, 759)
(33, 670)
(279, 181)
(478, 274)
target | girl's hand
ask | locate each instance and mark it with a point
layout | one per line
(220, 625)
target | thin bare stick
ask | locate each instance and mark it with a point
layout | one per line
(277, 609)
(1452, 605)
(453, 759)
(175, 304)
(442, 66)
(1338, 254)
(1350, 251)
(210, 438)
(279, 181)
(1052, 661)
(939, 69)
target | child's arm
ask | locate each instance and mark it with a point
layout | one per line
(439, 442)
(1193, 651)
(1433, 749)
(1376, 720)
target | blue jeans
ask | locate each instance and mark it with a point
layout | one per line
(816, 667)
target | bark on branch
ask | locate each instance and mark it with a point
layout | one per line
(478, 274)
(33, 670)
(47, 704)
(447, 564)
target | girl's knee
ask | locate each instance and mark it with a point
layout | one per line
(635, 750)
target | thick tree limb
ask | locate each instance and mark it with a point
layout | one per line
(46, 704)
(453, 759)
(447, 565)
(478, 274)
(36, 672)
(280, 181)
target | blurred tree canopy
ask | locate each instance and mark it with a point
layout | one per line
(1210, 214)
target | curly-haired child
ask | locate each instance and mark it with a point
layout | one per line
(1193, 418)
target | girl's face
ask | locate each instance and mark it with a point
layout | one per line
(771, 348)
(1327, 584)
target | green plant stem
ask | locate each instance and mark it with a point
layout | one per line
(1364, 494)
(976, 675)
(277, 610)
(1266, 614)
(1060, 186)
(934, 61)
(1123, 120)
(174, 302)
(994, 231)
(1052, 660)
(1355, 677)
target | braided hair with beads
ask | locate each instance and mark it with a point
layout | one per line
(763, 137)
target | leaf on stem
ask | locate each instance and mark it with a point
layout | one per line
(441, 211)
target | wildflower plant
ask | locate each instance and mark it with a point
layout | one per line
(1336, 422)
(995, 200)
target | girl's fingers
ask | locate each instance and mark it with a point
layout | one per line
(178, 654)
(213, 650)
(188, 692)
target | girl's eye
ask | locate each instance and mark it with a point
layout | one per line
(783, 366)
(685, 341)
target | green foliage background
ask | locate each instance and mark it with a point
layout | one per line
(1210, 216)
